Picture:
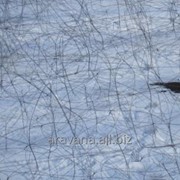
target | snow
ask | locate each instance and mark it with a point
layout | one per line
(83, 69)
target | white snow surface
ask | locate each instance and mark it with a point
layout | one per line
(82, 69)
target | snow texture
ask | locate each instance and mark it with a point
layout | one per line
(82, 69)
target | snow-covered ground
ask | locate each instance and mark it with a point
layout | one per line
(81, 69)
